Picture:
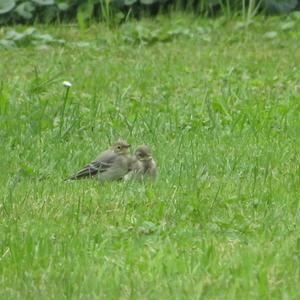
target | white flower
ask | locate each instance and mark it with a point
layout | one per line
(67, 84)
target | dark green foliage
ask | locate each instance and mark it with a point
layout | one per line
(12, 11)
(280, 6)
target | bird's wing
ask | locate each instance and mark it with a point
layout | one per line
(135, 170)
(132, 163)
(101, 164)
(117, 171)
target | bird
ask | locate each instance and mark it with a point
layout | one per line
(142, 165)
(112, 164)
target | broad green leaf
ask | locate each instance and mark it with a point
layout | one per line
(25, 10)
(148, 2)
(13, 35)
(6, 6)
(7, 43)
(63, 6)
(295, 15)
(21, 38)
(44, 2)
(280, 6)
(129, 2)
(271, 35)
(287, 25)
(47, 38)
(18, 38)
(29, 31)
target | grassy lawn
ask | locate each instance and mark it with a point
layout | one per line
(217, 102)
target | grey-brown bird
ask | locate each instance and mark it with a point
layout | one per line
(143, 165)
(112, 164)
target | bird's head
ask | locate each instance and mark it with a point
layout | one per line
(143, 153)
(121, 147)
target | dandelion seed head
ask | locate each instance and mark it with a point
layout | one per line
(67, 84)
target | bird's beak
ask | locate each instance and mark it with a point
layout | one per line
(126, 148)
(146, 158)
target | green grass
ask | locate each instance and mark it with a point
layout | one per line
(219, 106)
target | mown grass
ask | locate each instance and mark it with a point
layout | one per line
(219, 106)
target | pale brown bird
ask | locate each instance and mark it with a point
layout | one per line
(112, 164)
(143, 165)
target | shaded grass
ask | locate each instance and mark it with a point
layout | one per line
(219, 109)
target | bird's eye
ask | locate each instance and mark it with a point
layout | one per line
(119, 147)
